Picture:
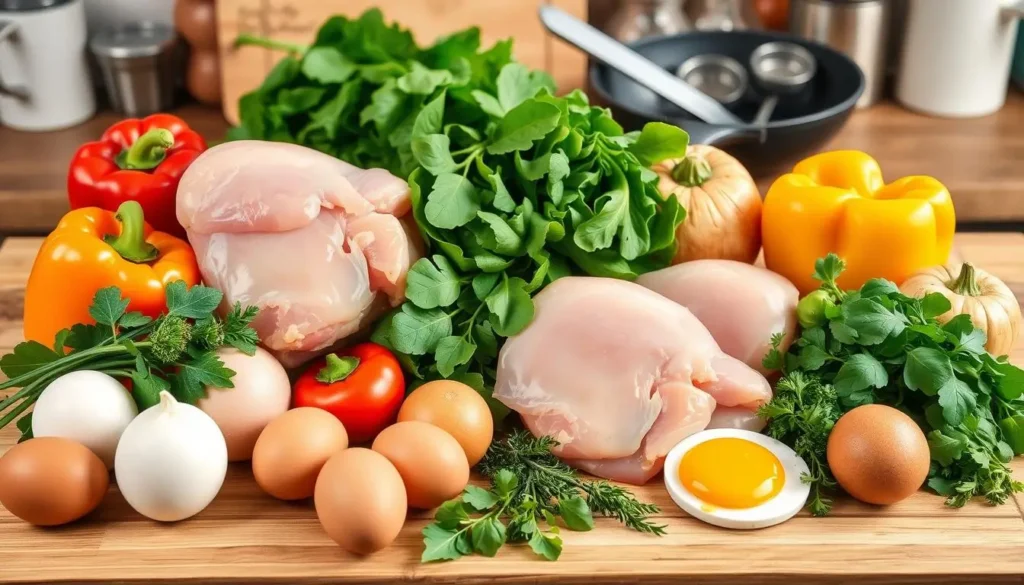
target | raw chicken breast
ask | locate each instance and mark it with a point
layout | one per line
(314, 242)
(618, 375)
(740, 304)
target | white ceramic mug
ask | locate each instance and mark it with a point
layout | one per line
(44, 74)
(956, 56)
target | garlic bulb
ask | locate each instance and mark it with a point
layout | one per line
(171, 461)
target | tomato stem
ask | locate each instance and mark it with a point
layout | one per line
(337, 368)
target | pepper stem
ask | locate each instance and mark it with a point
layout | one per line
(131, 243)
(147, 152)
(693, 171)
(966, 283)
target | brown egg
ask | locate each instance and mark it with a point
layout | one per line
(431, 462)
(51, 480)
(293, 448)
(456, 408)
(196, 20)
(261, 393)
(878, 454)
(360, 500)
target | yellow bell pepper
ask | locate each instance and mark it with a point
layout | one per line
(838, 202)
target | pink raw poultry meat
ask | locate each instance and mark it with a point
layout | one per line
(315, 243)
(618, 375)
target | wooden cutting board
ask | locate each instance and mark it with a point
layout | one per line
(296, 21)
(247, 538)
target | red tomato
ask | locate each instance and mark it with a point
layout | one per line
(362, 386)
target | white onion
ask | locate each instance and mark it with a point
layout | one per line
(87, 407)
(171, 461)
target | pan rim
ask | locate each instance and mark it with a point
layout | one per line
(836, 110)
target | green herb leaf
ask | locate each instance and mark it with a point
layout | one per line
(194, 376)
(521, 127)
(417, 331)
(943, 448)
(1012, 428)
(860, 372)
(505, 482)
(511, 307)
(26, 357)
(517, 84)
(576, 514)
(828, 269)
(432, 284)
(440, 544)
(872, 321)
(431, 117)
(453, 202)
(1011, 384)
(422, 80)
(237, 332)
(488, 103)
(927, 370)
(146, 389)
(488, 535)
(191, 303)
(934, 304)
(480, 499)
(659, 141)
(433, 153)
(133, 319)
(452, 352)
(957, 400)
(451, 514)
(24, 425)
(501, 238)
(548, 546)
(108, 306)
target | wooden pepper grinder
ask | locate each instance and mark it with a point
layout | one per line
(196, 21)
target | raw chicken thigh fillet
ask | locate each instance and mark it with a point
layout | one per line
(315, 243)
(618, 375)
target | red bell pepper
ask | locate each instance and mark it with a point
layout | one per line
(363, 387)
(139, 160)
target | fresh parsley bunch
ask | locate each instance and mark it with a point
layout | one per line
(877, 345)
(173, 352)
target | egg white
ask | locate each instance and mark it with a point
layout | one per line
(790, 499)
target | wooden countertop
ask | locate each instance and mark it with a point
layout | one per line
(977, 159)
(245, 537)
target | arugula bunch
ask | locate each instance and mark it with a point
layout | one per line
(357, 92)
(877, 345)
(173, 352)
(552, 187)
(528, 485)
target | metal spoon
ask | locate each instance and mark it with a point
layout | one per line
(780, 68)
(633, 65)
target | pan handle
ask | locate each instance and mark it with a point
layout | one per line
(721, 135)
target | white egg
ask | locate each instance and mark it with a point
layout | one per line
(88, 407)
(789, 499)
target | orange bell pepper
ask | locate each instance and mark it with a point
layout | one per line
(91, 249)
(838, 202)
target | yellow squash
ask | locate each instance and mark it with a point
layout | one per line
(838, 202)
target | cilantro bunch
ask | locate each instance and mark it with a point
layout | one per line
(877, 345)
(173, 352)
(529, 486)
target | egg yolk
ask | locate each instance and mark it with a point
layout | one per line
(731, 473)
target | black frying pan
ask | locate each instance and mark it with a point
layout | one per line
(799, 126)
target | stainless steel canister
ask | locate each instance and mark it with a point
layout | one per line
(859, 28)
(138, 62)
